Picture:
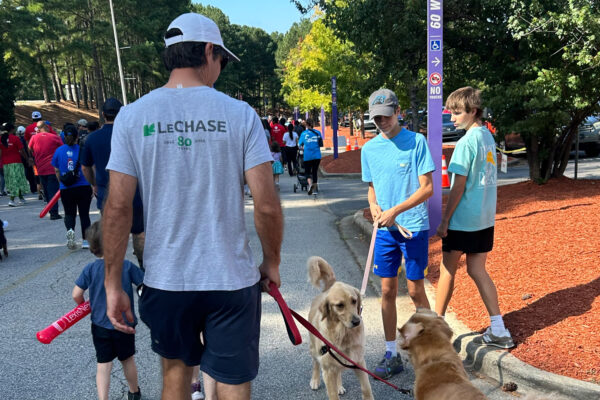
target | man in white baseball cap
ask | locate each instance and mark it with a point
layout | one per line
(188, 144)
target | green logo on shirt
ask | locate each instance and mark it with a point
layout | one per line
(148, 130)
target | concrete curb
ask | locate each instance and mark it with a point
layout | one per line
(498, 364)
(350, 175)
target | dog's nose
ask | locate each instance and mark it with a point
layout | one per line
(355, 321)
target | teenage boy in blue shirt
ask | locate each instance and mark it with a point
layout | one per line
(468, 222)
(398, 166)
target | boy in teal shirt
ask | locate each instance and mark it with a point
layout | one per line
(467, 225)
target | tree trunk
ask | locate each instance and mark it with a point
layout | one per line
(98, 80)
(43, 80)
(84, 90)
(55, 88)
(70, 86)
(351, 122)
(533, 158)
(76, 85)
(60, 95)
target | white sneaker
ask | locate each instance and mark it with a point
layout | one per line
(11, 203)
(85, 244)
(197, 396)
(21, 201)
(71, 239)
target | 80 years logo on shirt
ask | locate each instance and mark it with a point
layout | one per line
(199, 126)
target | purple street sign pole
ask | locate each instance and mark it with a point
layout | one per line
(334, 116)
(306, 116)
(322, 122)
(435, 66)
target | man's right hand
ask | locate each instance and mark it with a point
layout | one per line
(117, 304)
(269, 272)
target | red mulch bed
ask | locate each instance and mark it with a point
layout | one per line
(545, 265)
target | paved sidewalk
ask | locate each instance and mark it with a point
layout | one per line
(496, 364)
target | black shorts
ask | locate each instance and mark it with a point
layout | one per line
(469, 242)
(111, 343)
(229, 322)
(137, 225)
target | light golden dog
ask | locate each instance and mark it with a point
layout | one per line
(336, 314)
(439, 370)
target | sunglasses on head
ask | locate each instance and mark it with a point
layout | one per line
(224, 56)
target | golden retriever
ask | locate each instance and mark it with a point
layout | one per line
(336, 314)
(439, 370)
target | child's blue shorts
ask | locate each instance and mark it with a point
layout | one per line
(390, 246)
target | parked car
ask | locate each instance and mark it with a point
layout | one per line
(589, 136)
(369, 123)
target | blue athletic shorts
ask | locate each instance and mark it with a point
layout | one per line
(229, 322)
(390, 246)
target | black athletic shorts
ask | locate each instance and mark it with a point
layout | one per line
(111, 343)
(229, 322)
(469, 242)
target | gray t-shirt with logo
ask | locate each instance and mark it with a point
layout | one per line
(189, 149)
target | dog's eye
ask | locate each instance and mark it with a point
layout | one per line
(353, 301)
(341, 305)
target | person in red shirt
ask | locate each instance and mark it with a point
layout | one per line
(43, 145)
(277, 131)
(11, 150)
(31, 129)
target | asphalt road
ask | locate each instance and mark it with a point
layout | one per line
(37, 277)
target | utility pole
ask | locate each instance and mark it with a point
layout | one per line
(114, 25)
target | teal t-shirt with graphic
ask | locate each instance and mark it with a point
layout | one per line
(475, 158)
(394, 166)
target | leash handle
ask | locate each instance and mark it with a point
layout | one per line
(290, 325)
(403, 231)
(363, 287)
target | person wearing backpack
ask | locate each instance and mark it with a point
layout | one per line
(312, 141)
(75, 190)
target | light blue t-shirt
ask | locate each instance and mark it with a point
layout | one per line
(310, 140)
(475, 158)
(394, 166)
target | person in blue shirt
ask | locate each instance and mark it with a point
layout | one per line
(94, 158)
(398, 166)
(309, 139)
(78, 194)
(108, 342)
(467, 224)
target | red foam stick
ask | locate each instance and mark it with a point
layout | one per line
(50, 204)
(63, 323)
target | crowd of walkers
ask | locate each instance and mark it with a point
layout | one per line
(37, 159)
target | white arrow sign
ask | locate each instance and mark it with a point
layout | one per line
(436, 61)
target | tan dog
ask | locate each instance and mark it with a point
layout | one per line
(335, 313)
(438, 368)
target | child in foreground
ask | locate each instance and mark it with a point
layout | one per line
(108, 342)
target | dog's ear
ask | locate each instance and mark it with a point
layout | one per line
(324, 309)
(445, 328)
(409, 331)
(358, 300)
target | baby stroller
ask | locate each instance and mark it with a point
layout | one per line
(301, 172)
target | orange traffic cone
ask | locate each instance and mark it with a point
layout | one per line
(348, 146)
(355, 144)
(445, 178)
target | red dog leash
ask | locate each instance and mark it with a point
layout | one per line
(296, 339)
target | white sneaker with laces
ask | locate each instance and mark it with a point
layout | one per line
(71, 239)
(11, 203)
